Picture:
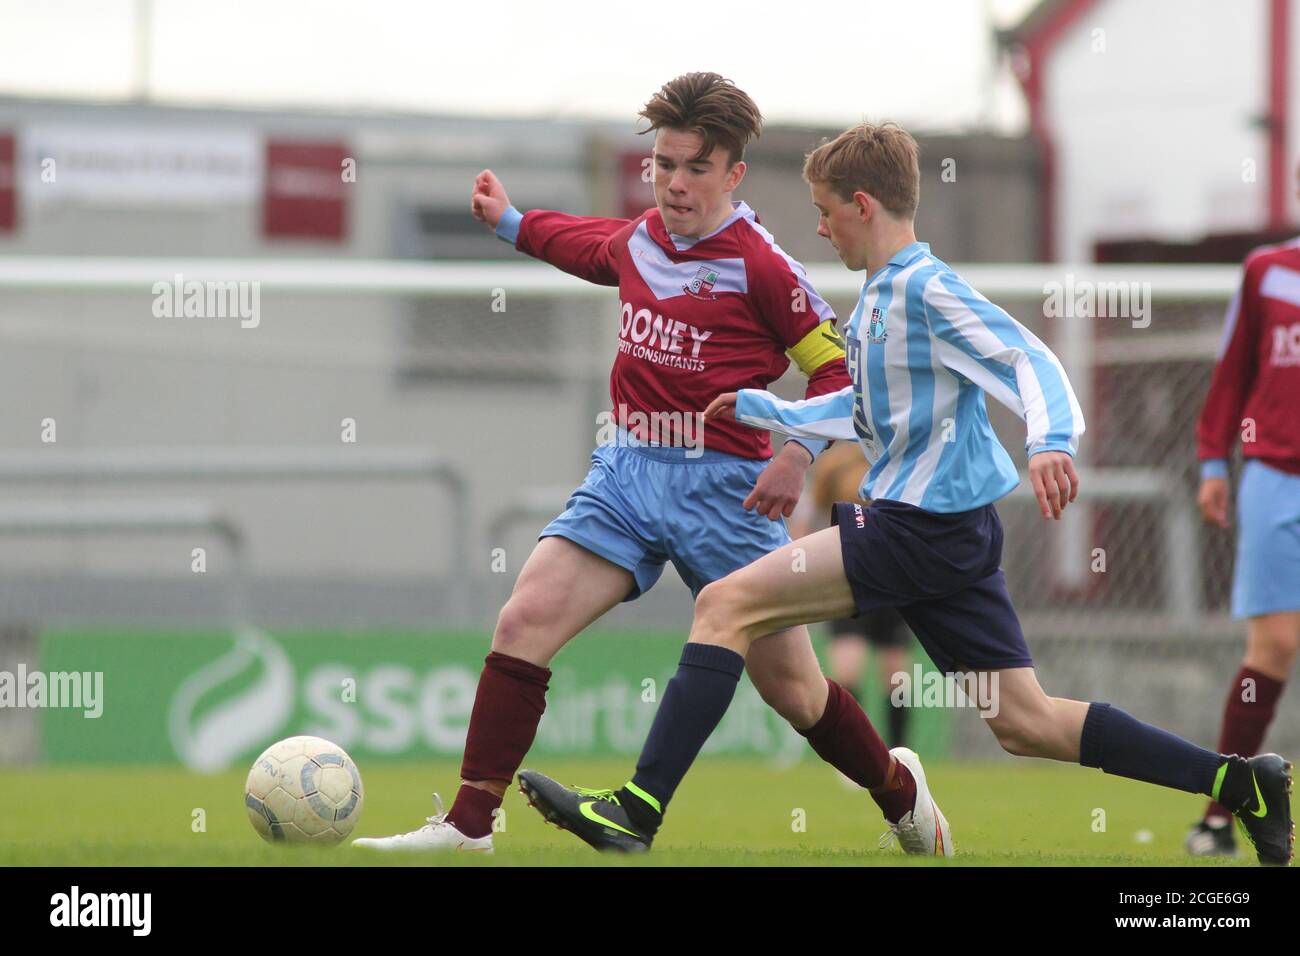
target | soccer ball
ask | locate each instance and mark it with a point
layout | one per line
(304, 790)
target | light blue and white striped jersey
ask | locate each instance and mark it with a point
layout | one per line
(922, 349)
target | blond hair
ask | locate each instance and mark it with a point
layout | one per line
(882, 161)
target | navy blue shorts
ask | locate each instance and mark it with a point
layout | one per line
(941, 571)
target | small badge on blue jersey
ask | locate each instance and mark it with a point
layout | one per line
(876, 329)
(701, 287)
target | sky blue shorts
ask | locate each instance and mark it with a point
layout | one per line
(641, 507)
(1267, 576)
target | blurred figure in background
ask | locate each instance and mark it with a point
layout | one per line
(837, 476)
(1255, 394)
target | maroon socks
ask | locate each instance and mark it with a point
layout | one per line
(1246, 716)
(845, 739)
(508, 706)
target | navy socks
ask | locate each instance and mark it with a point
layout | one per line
(1123, 745)
(692, 706)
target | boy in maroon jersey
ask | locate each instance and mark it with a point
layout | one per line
(1255, 393)
(708, 303)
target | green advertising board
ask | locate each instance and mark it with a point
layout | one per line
(213, 700)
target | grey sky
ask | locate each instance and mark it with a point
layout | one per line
(927, 63)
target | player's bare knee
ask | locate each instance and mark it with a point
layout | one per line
(1283, 643)
(713, 599)
(519, 626)
(1009, 739)
(1020, 744)
(1282, 655)
(1020, 735)
(1272, 644)
(719, 613)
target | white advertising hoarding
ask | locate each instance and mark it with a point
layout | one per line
(116, 165)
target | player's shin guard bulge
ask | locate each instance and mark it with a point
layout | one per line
(508, 706)
(1119, 744)
(845, 739)
(507, 709)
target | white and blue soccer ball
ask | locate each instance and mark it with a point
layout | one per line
(304, 790)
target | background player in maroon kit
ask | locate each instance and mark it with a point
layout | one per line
(707, 303)
(1255, 396)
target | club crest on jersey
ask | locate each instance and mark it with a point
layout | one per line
(701, 287)
(876, 329)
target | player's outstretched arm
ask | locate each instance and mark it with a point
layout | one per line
(580, 245)
(827, 416)
(777, 491)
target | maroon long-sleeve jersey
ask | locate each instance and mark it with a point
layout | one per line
(696, 318)
(1255, 391)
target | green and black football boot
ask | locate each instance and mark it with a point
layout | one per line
(1265, 820)
(596, 817)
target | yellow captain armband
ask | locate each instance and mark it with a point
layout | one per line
(823, 344)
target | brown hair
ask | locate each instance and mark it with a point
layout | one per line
(881, 161)
(710, 105)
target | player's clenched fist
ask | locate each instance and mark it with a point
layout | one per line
(489, 199)
(1055, 483)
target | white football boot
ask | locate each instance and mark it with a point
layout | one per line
(923, 830)
(436, 835)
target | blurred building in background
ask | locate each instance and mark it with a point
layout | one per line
(81, 178)
(1161, 120)
(499, 394)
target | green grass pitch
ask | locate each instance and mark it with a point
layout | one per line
(727, 813)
